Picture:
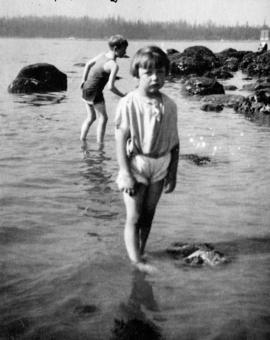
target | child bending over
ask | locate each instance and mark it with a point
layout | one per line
(147, 147)
(97, 73)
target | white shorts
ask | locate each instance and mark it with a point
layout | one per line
(149, 170)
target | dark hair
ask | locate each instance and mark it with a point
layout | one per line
(117, 41)
(149, 57)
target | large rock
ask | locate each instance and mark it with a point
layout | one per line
(40, 78)
(203, 86)
(194, 60)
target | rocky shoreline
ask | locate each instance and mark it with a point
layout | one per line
(200, 70)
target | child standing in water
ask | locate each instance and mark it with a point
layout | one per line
(97, 73)
(147, 147)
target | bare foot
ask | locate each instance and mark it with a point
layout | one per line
(146, 267)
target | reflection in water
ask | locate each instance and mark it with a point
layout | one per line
(99, 184)
(40, 99)
(94, 168)
(134, 322)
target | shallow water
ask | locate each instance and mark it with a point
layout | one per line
(64, 269)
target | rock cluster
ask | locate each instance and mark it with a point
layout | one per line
(200, 69)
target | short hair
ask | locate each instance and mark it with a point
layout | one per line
(149, 57)
(117, 41)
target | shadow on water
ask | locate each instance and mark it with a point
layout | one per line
(134, 321)
(94, 169)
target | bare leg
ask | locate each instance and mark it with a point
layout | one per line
(102, 121)
(131, 233)
(151, 198)
(91, 117)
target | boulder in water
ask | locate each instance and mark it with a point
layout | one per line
(39, 78)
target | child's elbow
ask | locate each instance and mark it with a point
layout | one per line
(110, 87)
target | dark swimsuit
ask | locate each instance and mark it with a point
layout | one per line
(96, 81)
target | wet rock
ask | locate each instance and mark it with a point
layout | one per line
(256, 64)
(227, 100)
(198, 160)
(231, 64)
(194, 60)
(171, 51)
(212, 107)
(196, 254)
(231, 58)
(211, 258)
(39, 78)
(256, 107)
(219, 73)
(249, 87)
(203, 86)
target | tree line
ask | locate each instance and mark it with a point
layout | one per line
(89, 28)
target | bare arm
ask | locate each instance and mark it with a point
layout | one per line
(170, 180)
(111, 82)
(126, 182)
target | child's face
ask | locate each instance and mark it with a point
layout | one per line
(151, 80)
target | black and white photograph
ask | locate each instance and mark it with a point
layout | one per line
(135, 170)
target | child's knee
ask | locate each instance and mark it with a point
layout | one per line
(90, 119)
(132, 220)
(103, 118)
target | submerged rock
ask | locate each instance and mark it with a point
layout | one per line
(196, 254)
(39, 78)
(212, 107)
(196, 159)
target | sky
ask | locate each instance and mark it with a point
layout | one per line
(221, 12)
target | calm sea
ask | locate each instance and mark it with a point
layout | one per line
(64, 268)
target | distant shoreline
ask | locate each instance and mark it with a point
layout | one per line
(149, 39)
(94, 29)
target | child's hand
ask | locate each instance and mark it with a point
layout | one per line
(126, 183)
(169, 183)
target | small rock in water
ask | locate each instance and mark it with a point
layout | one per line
(196, 254)
(211, 258)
